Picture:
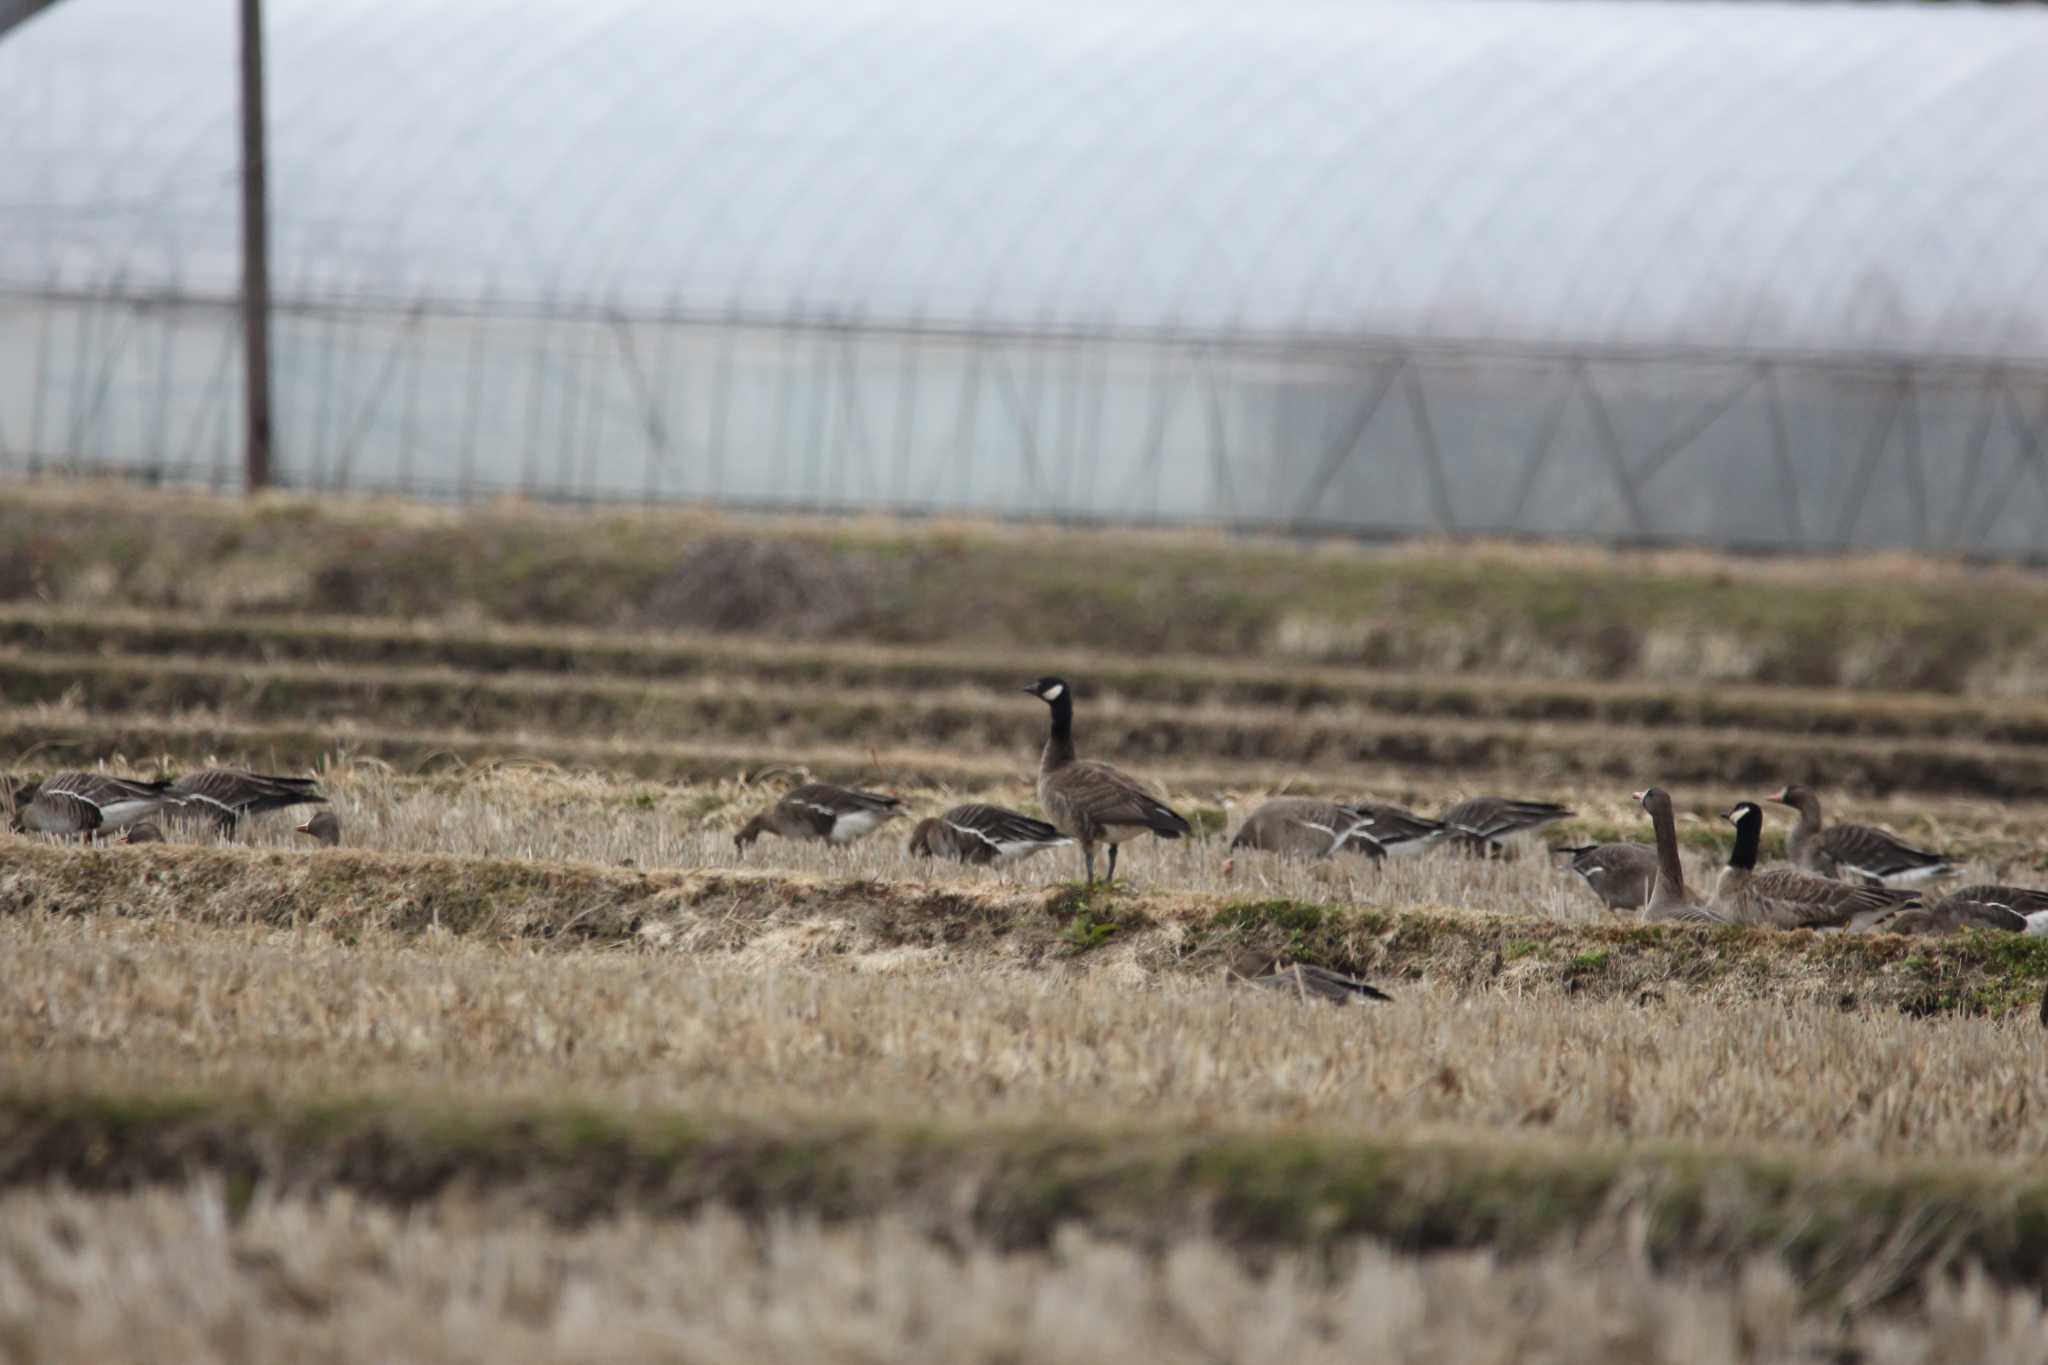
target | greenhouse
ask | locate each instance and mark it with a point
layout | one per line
(1756, 275)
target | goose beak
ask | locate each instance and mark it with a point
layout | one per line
(1032, 688)
(1730, 815)
(1638, 796)
(1779, 797)
(306, 828)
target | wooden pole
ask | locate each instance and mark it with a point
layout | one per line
(255, 255)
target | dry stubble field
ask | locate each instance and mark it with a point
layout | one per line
(534, 1064)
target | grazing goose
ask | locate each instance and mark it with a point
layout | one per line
(144, 832)
(819, 810)
(1481, 824)
(983, 835)
(1786, 898)
(1669, 898)
(1305, 981)
(324, 826)
(225, 795)
(1307, 828)
(1860, 850)
(2012, 909)
(1621, 875)
(87, 803)
(1088, 798)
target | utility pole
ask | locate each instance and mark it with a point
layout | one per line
(255, 254)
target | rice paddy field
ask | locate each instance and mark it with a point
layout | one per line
(535, 1065)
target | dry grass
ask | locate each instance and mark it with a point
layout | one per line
(188, 1273)
(806, 1020)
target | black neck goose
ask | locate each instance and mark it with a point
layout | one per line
(87, 804)
(325, 826)
(1863, 851)
(1304, 827)
(1669, 897)
(1482, 823)
(1303, 980)
(983, 835)
(225, 795)
(819, 810)
(1783, 897)
(1620, 874)
(1087, 798)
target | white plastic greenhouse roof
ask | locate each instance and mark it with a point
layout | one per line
(1807, 177)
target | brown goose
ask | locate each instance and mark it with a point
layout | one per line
(983, 835)
(1860, 851)
(1785, 898)
(226, 795)
(819, 810)
(87, 803)
(1669, 898)
(1088, 798)
(1621, 875)
(1303, 980)
(1482, 824)
(2012, 909)
(324, 826)
(1304, 827)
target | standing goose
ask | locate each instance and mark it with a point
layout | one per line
(226, 795)
(1785, 898)
(983, 835)
(1307, 828)
(1088, 798)
(1863, 851)
(87, 803)
(1621, 875)
(325, 826)
(1481, 824)
(1669, 899)
(819, 810)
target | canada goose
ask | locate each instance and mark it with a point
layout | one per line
(983, 835)
(227, 794)
(1088, 798)
(1303, 980)
(87, 803)
(1621, 875)
(324, 826)
(1669, 899)
(819, 810)
(1786, 898)
(1481, 824)
(144, 832)
(1307, 828)
(1861, 850)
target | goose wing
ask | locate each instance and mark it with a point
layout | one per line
(1946, 916)
(2022, 900)
(1495, 817)
(1110, 797)
(1000, 825)
(233, 791)
(1309, 982)
(1791, 884)
(1390, 825)
(1876, 853)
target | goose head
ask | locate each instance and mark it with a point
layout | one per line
(325, 826)
(1048, 690)
(921, 838)
(1744, 814)
(1801, 798)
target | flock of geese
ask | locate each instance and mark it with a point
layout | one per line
(1849, 877)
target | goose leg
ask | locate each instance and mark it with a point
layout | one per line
(1088, 856)
(1112, 861)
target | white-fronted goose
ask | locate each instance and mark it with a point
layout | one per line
(2012, 909)
(1669, 897)
(1481, 824)
(226, 795)
(1863, 851)
(1087, 798)
(1303, 980)
(983, 835)
(1304, 827)
(324, 826)
(1621, 874)
(819, 810)
(1785, 898)
(87, 803)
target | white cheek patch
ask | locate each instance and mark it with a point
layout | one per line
(1054, 693)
